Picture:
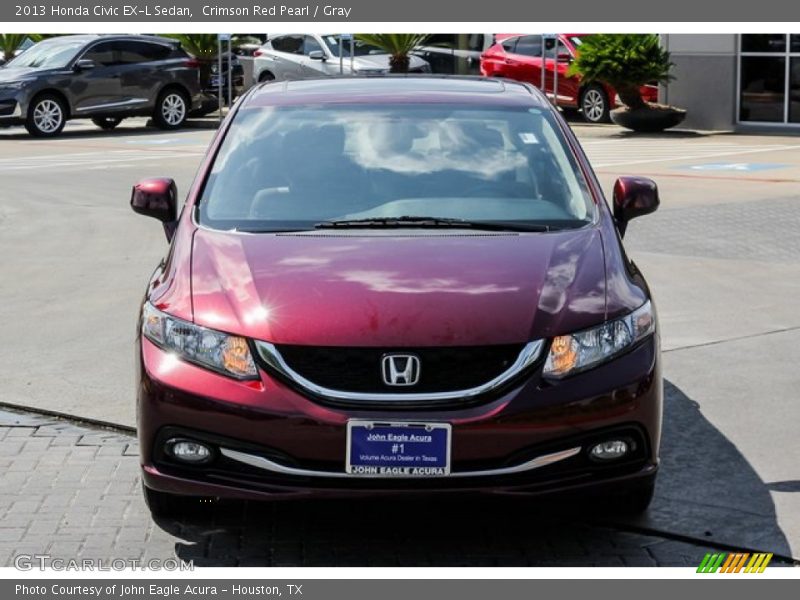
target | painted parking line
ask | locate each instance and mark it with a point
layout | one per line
(612, 153)
(89, 159)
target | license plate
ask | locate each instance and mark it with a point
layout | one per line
(377, 449)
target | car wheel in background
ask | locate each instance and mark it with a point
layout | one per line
(265, 76)
(47, 115)
(172, 108)
(595, 104)
(107, 123)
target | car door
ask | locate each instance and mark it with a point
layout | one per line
(287, 50)
(313, 67)
(141, 72)
(559, 57)
(97, 89)
(527, 59)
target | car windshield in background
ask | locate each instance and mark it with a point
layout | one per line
(359, 48)
(54, 54)
(290, 168)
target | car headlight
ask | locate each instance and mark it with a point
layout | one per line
(226, 354)
(580, 351)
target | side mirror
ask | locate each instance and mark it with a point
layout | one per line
(316, 55)
(157, 198)
(85, 64)
(564, 57)
(633, 197)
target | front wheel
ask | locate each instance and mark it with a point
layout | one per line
(46, 116)
(595, 104)
(630, 501)
(107, 123)
(171, 111)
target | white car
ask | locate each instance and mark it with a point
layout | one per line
(308, 55)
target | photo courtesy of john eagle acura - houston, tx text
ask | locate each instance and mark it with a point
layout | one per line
(392, 286)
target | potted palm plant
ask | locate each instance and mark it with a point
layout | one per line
(626, 62)
(397, 45)
(11, 42)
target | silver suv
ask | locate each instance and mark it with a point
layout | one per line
(310, 55)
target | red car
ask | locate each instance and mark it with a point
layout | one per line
(518, 56)
(390, 285)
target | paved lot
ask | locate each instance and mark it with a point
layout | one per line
(722, 256)
(73, 492)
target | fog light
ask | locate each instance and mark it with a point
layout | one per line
(189, 451)
(609, 450)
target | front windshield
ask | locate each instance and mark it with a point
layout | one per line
(282, 168)
(48, 55)
(359, 48)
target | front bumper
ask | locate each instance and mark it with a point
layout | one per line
(272, 442)
(10, 111)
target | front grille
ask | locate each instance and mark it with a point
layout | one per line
(443, 369)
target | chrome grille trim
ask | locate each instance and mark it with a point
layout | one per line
(260, 462)
(272, 357)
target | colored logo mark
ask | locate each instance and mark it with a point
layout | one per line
(736, 562)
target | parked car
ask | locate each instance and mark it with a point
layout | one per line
(396, 284)
(102, 77)
(519, 57)
(455, 53)
(237, 78)
(307, 55)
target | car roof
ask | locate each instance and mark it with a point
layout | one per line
(402, 89)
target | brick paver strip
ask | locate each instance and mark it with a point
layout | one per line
(72, 491)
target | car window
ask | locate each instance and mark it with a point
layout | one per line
(529, 45)
(103, 54)
(311, 44)
(49, 54)
(292, 44)
(139, 52)
(509, 44)
(290, 167)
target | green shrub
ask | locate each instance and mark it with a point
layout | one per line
(625, 61)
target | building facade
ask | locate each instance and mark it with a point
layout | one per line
(736, 81)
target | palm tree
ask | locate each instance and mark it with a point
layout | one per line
(397, 45)
(9, 42)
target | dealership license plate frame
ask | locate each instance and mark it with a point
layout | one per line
(397, 427)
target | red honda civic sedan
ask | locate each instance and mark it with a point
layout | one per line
(519, 57)
(396, 285)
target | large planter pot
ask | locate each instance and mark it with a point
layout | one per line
(650, 119)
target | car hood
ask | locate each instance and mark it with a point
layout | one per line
(9, 74)
(381, 61)
(390, 289)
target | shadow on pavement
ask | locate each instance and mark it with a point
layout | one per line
(706, 491)
(706, 488)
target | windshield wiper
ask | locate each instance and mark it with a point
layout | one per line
(428, 222)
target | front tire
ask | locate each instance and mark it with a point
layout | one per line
(107, 123)
(47, 115)
(631, 501)
(172, 109)
(595, 104)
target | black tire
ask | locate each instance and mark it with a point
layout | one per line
(172, 109)
(265, 76)
(47, 115)
(595, 105)
(631, 501)
(107, 123)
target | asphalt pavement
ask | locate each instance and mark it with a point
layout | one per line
(722, 255)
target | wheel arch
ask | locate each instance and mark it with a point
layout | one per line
(51, 92)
